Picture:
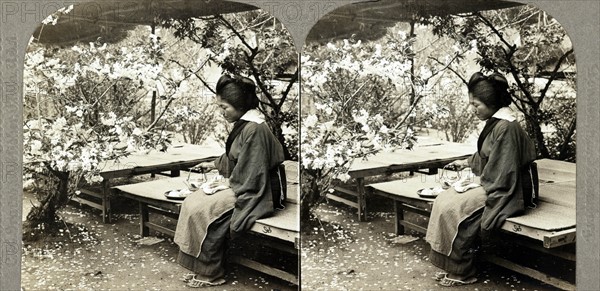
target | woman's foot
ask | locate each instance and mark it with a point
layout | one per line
(196, 283)
(451, 280)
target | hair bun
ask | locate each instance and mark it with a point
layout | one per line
(246, 83)
(475, 78)
(501, 84)
(223, 81)
(498, 78)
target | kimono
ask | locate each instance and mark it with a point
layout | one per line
(206, 221)
(457, 219)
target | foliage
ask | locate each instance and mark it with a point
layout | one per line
(80, 106)
(559, 113)
(83, 105)
(184, 106)
(253, 44)
(445, 100)
(363, 98)
(329, 145)
(197, 122)
(534, 51)
(356, 94)
(447, 110)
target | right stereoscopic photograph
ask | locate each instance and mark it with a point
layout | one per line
(437, 148)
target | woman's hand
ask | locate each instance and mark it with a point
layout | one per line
(218, 182)
(204, 166)
(215, 185)
(457, 165)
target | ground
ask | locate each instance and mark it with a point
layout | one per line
(340, 253)
(90, 255)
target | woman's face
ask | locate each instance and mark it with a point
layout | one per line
(230, 113)
(482, 111)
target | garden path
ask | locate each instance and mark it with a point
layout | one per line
(91, 255)
(341, 253)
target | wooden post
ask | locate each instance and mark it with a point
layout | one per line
(106, 213)
(144, 218)
(362, 199)
(399, 211)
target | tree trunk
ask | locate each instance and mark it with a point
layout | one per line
(564, 149)
(310, 193)
(411, 59)
(276, 124)
(46, 213)
(533, 124)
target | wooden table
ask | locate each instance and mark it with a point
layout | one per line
(280, 231)
(547, 228)
(431, 157)
(404, 195)
(176, 158)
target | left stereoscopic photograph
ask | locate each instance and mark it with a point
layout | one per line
(160, 149)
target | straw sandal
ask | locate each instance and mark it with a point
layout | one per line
(187, 277)
(195, 283)
(439, 276)
(449, 282)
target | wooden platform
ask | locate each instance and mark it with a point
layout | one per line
(424, 157)
(551, 224)
(280, 231)
(176, 158)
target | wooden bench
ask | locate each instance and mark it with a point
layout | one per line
(547, 228)
(176, 158)
(280, 231)
(424, 157)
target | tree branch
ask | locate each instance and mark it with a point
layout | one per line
(554, 74)
(288, 88)
(446, 66)
(261, 84)
(451, 70)
(511, 50)
(195, 73)
(495, 30)
(410, 110)
(169, 101)
(343, 108)
(239, 36)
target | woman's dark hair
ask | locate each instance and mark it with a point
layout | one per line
(492, 90)
(238, 91)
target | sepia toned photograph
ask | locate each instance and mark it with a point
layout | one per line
(397, 145)
(438, 148)
(160, 149)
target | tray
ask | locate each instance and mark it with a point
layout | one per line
(430, 192)
(177, 194)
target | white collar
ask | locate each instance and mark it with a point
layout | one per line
(505, 113)
(254, 116)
